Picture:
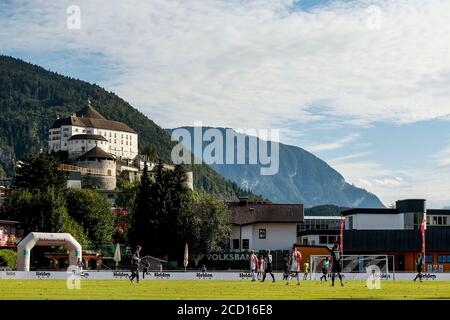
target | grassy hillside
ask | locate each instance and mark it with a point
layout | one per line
(31, 98)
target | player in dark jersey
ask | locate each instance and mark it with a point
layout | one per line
(135, 260)
(336, 264)
(268, 267)
(419, 266)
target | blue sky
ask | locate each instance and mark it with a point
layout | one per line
(364, 85)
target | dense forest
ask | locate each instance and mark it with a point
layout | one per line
(31, 98)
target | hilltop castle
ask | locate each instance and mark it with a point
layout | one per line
(111, 136)
(98, 150)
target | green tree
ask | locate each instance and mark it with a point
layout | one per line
(2, 172)
(127, 191)
(206, 227)
(39, 172)
(42, 211)
(143, 222)
(93, 213)
(8, 258)
(151, 152)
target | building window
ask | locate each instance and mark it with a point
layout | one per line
(443, 259)
(262, 233)
(235, 243)
(439, 220)
(245, 244)
(323, 240)
(350, 222)
(429, 258)
(332, 239)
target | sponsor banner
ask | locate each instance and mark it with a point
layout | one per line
(170, 275)
(7, 240)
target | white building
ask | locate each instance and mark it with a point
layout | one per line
(407, 215)
(81, 143)
(319, 230)
(262, 226)
(122, 140)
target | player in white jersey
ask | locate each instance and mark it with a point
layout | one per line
(295, 259)
(253, 260)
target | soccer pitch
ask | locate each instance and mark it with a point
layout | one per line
(224, 290)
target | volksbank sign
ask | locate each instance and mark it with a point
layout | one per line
(227, 256)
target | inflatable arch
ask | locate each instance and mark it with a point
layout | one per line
(46, 239)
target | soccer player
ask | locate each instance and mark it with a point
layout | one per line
(325, 266)
(145, 270)
(253, 264)
(305, 270)
(268, 266)
(419, 266)
(295, 259)
(261, 267)
(80, 266)
(336, 267)
(135, 260)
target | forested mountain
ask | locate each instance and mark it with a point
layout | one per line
(31, 98)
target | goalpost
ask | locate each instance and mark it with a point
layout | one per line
(359, 266)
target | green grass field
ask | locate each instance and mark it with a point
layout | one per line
(155, 289)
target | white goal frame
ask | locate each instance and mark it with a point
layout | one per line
(314, 264)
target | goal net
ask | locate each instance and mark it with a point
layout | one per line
(359, 266)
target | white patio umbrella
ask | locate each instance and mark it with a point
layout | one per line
(117, 257)
(186, 256)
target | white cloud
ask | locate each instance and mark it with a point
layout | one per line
(442, 158)
(260, 64)
(395, 184)
(255, 63)
(350, 156)
(334, 145)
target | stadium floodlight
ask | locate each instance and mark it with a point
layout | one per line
(356, 267)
